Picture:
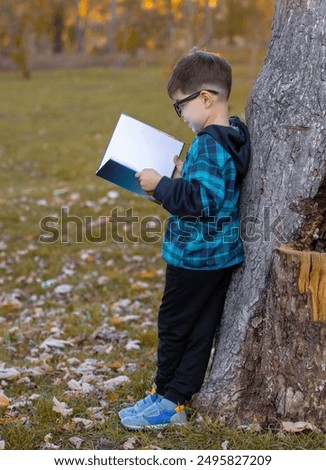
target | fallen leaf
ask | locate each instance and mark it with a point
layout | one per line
(4, 400)
(151, 447)
(38, 371)
(103, 280)
(30, 236)
(76, 441)
(299, 426)
(20, 403)
(130, 443)
(121, 305)
(112, 397)
(87, 255)
(9, 418)
(147, 275)
(63, 289)
(35, 396)
(225, 445)
(48, 444)
(116, 364)
(117, 320)
(9, 374)
(48, 437)
(140, 285)
(112, 384)
(11, 300)
(97, 413)
(61, 407)
(55, 343)
(113, 195)
(69, 426)
(81, 386)
(132, 344)
(48, 283)
(86, 423)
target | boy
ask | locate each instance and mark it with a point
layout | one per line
(202, 245)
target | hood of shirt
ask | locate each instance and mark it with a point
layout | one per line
(235, 140)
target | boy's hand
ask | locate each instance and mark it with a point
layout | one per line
(178, 167)
(148, 179)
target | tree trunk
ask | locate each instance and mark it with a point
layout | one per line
(170, 26)
(270, 357)
(18, 43)
(188, 27)
(208, 27)
(111, 42)
(58, 29)
(81, 21)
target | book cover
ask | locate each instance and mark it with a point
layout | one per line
(133, 147)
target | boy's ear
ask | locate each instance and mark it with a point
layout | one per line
(206, 97)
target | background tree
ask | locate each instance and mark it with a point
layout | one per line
(81, 22)
(270, 355)
(15, 28)
(40, 27)
(112, 40)
(58, 24)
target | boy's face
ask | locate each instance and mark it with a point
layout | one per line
(194, 112)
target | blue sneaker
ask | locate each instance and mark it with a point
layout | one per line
(160, 414)
(141, 405)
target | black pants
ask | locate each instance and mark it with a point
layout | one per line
(189, 314)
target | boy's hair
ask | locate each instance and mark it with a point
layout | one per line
(199, 69)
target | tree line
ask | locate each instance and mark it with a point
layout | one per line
(115, 26)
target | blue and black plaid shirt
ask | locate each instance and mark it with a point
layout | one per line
(203, 231)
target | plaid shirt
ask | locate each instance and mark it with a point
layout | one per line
(203, 231)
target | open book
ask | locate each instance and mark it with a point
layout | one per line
(134, 146)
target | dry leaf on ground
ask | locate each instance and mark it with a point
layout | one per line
(61, 407)
(298, 426)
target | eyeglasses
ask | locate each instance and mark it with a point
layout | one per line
(178, 105)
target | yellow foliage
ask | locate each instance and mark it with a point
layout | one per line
(162, 6)
(82, 8)
(148, 4)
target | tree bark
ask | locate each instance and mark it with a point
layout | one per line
(270, 358)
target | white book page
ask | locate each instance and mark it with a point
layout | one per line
(138, 145)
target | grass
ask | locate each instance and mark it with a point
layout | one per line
(54, 129)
